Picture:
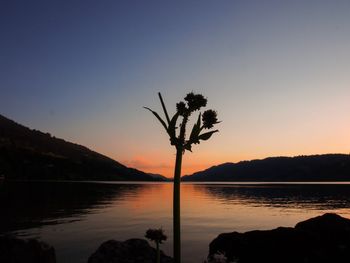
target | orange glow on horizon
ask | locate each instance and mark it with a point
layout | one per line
(234, 145)
(192, 165)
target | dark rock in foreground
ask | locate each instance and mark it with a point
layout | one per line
(321, 239)
(13, 250)
(129, 251)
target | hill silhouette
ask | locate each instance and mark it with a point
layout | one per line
(33, 155)
(326, 167)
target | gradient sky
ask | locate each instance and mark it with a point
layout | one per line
(277, 72)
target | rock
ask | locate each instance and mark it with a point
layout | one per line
(321, 239)
(129, 251)
(14, 250)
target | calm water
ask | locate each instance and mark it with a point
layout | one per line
(77, 217)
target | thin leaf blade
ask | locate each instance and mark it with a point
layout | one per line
(207, 135)
(172, 126)
(158, 117)
(196, 130)
(164, 108)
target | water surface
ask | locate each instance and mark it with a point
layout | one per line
(76, 217)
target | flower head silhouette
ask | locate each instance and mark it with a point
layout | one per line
(195, 101)
(156, 235)
(209, 118)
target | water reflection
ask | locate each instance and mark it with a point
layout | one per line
(77, 217)
(32, 204)
(317, 196)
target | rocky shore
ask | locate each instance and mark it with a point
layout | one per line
(130, 251)
(320, 239)
(14, 250)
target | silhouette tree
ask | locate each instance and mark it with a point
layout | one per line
(192, 102)
(158, 236)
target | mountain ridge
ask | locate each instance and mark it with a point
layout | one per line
(318, 167)
(31, 154)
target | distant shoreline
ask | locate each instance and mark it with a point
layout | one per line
(188, 182)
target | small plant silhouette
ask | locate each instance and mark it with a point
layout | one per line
(219, 257)
(192, 102)
(158, 236)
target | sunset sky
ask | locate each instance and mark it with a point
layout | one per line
(277, 72)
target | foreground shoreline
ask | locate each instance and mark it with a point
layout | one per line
(323, 238)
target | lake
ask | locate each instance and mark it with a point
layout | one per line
(76, 217)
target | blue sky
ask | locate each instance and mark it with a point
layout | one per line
(276, 71)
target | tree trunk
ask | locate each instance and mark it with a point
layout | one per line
(176, 207)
